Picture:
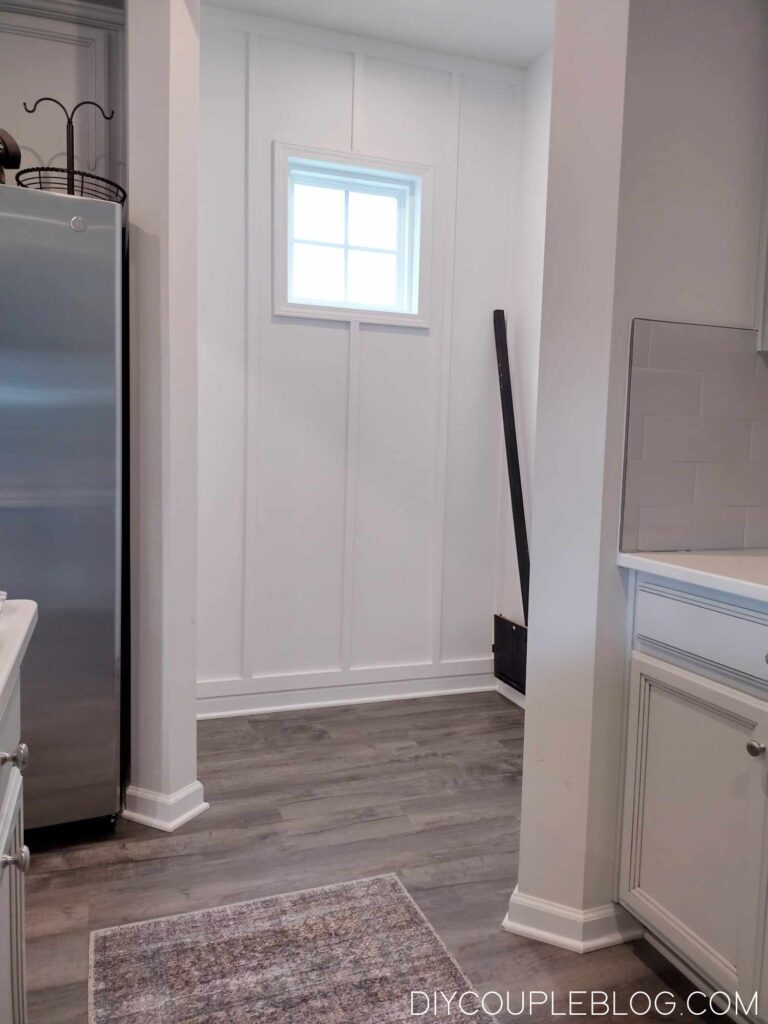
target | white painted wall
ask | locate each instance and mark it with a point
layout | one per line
(349, 476)
(658, 216)
(524, 325)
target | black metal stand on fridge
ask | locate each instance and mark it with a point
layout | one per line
(510, 640)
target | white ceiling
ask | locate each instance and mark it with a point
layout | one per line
(512, 32)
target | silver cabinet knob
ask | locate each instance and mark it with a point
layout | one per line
(20, 860)
(19, 757)
(755, 749)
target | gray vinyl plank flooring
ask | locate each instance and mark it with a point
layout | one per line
(427, 788)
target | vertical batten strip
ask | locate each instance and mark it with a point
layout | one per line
(358, 72)
(253, 299)
(353, 405)
(444, 395)
(350, 506)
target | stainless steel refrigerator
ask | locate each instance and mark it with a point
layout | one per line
(60, 489)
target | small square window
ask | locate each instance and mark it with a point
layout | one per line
(349, 237)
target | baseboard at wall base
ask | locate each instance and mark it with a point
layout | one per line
(164, 811)
(512, 695)
(581, 931)
(330, 696)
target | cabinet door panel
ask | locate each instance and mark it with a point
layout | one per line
(12, 982)
(694, 820)
(6, 940)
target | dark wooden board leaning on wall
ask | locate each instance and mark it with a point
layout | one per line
(510, 640)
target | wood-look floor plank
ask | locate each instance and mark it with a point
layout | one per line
(427, 788)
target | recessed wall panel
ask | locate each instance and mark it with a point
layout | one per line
(402, 111)
(298, 490)
(395, 487)
(303, 94)
(487, 168)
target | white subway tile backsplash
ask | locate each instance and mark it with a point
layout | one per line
(701, 348)
(629, 528)
(730, 483)
(742, 395)
(635, 429)
(656, 392)
(683, 527)
(660, 483)
(641, 342)
(758, 449)
(756, 529)
(694, 439)
(697, 439)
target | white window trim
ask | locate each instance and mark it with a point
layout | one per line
(281, 306)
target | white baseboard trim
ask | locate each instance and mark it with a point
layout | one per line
(332, 696)
(512, 695)
(166, 812)
(578, 930)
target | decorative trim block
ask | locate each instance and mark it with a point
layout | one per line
(163, 811)
(79, 12)
(578, 930)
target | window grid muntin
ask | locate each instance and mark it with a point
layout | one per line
(403, 188)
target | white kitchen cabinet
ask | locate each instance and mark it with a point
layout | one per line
(13, 860)
(694, 822)
(16, 625)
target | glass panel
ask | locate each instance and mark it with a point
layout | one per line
(318, 274)
(372, 220)
(372, 279)
(318, 214)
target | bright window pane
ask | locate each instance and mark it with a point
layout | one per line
(318, 274)
(372, 220)
(372, 278)
(318, 214)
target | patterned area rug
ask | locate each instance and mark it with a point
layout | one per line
(345, 954)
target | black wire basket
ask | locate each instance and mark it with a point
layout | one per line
(71, 182)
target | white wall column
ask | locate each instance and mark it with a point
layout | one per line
(163, 80)
(570, 803)
(658, 121)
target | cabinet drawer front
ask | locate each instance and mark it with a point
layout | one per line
(725, 636)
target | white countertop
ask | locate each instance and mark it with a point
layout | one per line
(16, 624)
(742, 573)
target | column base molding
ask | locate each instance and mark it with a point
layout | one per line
(581, 931)
(165, 811)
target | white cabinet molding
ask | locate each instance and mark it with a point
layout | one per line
(78, 11)
(695, 819)
(94, 49)
(13, 998)
(717, 636)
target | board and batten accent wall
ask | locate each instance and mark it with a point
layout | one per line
(350, 505)
(697, 439)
